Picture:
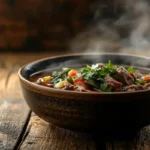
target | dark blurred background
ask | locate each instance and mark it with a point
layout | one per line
(44, 25)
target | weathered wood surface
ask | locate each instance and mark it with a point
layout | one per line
(18, 132)
(13, 110)
(43, 136)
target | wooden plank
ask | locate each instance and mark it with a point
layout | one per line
(143, 139)
(13, 110)
(43, 136)
(3, 77)
(140, 142)
(121, 145)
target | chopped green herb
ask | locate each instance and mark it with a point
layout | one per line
(140, 81)
(66, 70)
(92, 82)
(111, 69)
(130, 69)
(60, 76)
(104, 87)
(70, 80)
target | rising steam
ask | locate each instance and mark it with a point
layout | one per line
(130, 33)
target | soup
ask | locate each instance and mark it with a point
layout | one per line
(98, 77)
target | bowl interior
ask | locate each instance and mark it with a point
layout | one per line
(55, 63)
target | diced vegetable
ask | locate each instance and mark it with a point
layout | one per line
(61, 84)
(78, 79)
(146, 77)
(70, 80)
(47, 79)
(72, 73)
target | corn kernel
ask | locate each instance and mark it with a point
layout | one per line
(47, 79)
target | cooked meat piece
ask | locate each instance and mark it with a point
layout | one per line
(112, 83)
(121, 89)
(81, 87)
(77, 87)
(50, 85)
(146, 86)
(101, 65)
(69, 87)
(133, 87)
(46, 84)
(131, 90)
(137, 75)
(118, 90)
(124, 76)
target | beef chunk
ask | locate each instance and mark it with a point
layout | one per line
(81, 87)
(112, 83)
(101, 65)
(124, 76)
(69, 87)
(137, 75)
(146, 86)
(132, 88)
(77, 87)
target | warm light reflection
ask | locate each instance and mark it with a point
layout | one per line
(14, 106)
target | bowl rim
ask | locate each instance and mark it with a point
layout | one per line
(47, 89)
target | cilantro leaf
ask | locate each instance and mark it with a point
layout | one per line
(92, 82)
(70, 80)
(130, 69)
(140, 81)
(60, 75)
(104, 87)
(110, 68)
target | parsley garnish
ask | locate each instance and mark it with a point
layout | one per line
(130, 69)
(94, 75)
(60, 76)
(70, 80)
(104, 87)
(140, 81)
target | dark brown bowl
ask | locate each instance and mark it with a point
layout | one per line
(87, 111)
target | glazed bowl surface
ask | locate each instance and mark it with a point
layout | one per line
(85, 111)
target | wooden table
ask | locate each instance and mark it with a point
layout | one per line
(21, 129)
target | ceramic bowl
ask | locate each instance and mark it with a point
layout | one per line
(83, 111)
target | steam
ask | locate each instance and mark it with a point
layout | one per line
(130, 33)
(139, 38)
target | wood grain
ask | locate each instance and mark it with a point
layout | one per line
(43, 136)
(13, 109)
